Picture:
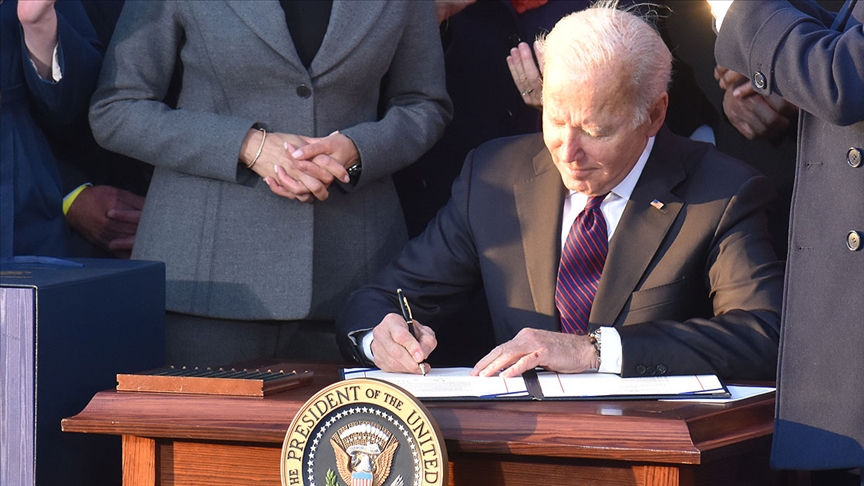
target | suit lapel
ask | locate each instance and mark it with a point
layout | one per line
(640, 232)
(539, 204)
(267, 20)
(346, 29)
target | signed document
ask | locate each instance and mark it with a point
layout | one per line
(446, 383)
(457, 384)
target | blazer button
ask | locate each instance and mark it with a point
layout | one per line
(853, 240)
(853, 157)
(640, 370)
(661, 369)
(759, 80)
(303, 91)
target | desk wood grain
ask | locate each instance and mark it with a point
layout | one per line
(216, 440)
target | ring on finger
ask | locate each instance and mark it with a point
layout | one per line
(527, 91)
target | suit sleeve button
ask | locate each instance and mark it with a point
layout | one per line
(640, 369)
(853, 240)
(853, 157)
(759, 80)
(661, 369)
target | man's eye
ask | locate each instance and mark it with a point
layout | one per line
(598, 133)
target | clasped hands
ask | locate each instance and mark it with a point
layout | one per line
(395, 350)
(754, 115)
(298, 167)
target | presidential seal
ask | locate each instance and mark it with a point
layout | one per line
(363, 432)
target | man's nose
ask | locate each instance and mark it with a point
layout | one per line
(571, 145)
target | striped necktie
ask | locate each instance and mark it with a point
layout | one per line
(581, 265)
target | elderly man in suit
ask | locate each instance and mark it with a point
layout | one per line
(667, 236)
(815, 59)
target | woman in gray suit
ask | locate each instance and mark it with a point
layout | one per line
(271, 197)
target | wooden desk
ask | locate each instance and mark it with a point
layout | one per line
(207, 440)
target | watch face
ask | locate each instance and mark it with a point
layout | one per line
(354, 173)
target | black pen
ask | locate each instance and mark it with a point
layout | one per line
(409, 319)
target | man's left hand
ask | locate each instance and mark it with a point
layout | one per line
(554, 351)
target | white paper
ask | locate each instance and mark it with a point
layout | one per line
(556, 385)
(446, 383)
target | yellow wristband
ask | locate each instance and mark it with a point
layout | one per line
(70, 198)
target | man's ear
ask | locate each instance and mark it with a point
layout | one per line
(657, 115)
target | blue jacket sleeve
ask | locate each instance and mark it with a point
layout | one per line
(80, 57)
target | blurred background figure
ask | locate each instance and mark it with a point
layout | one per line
(49, 62)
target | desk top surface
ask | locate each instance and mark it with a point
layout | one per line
(633, 430)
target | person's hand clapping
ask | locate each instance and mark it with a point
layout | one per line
(39, 24)
(526, 74)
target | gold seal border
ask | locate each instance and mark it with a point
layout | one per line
(359, 392)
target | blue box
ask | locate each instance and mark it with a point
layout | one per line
(68, 328)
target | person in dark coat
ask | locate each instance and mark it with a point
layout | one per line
(814, 59)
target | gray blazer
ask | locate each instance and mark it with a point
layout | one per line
(692, 287)
(232, 248)
(792, 51)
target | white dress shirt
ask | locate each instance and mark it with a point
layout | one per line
(612, 208)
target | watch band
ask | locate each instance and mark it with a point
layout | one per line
(595, 338)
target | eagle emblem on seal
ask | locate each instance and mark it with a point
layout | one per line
(364, 453)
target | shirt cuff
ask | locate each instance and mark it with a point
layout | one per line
(610, 351)
(363, 340)
(366, 345)
(56, 71)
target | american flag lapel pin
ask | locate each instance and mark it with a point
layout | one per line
(658, 205)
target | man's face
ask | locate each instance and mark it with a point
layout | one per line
(589, 130)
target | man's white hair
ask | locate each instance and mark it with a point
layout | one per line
(605, 36)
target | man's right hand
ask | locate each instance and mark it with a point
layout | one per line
(107, 217)
(396, 350)
(754, 115)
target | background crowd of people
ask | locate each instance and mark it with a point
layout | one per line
(278, 155)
